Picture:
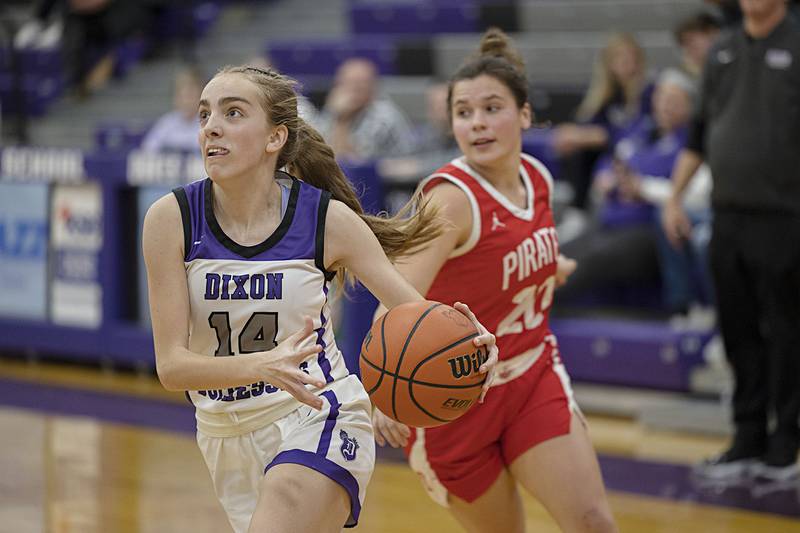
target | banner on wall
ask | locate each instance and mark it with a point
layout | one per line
(149, 169)
(76, 236)
(41, 165)
(23, 251)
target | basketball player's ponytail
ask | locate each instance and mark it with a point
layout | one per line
(495, 43)
(307, 156)
(415, 225)
(495, 57)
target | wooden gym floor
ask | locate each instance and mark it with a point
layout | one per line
(87, 451)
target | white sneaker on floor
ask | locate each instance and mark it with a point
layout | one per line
(764, 471)
(725, 467)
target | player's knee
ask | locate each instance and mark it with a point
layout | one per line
(597, 519)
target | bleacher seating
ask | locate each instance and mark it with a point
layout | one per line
(410, 41)
(564, 58)
(187, 21)
(559, 41)
(41, 72)
(40, 80)
(418, 18)
(118, 135)
(323, 56)
(610, 15)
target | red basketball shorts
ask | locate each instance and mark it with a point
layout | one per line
(466, 456)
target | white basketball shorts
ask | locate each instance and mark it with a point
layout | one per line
(336, 441)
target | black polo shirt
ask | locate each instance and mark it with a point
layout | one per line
(747, 123)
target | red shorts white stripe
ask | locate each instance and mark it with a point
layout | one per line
(466, 456)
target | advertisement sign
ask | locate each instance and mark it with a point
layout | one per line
(76, 236)
(23, 251)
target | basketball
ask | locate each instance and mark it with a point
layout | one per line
(419, 364)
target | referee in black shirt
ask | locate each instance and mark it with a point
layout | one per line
(747, 127)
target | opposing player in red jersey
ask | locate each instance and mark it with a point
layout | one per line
(501, 258)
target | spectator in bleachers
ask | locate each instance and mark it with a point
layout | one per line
(91, 30)
(357, 122)
(434, 143)
(177, 130)
(694, 36)
(435, 137)
(305, 108)
(618, 98)
(620, 248)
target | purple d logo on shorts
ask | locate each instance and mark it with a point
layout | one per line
(349, 446)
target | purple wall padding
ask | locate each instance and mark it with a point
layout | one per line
(628, 352)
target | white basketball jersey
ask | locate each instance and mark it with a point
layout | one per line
(247, 299)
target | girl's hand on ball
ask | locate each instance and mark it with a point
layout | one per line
(484, 339)
(388, 430)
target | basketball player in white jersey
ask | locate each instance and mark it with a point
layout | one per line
(239, 268)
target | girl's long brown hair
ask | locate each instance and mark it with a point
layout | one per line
(307, 156)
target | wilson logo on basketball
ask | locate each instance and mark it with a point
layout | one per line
(464, 365)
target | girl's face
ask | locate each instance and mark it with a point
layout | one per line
(235, 132)
(671, 106)
(187, 93)
(487, 123)
(623, 62)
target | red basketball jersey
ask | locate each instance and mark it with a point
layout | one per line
(506, 270)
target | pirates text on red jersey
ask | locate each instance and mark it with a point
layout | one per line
(506, 270)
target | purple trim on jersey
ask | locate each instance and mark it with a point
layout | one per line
(194, 193)
(294, 238)
(322, 359)
(330, 423)
(327, 468)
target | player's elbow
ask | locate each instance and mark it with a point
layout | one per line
(167, 374)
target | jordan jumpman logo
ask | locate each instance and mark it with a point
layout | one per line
(496, 223)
